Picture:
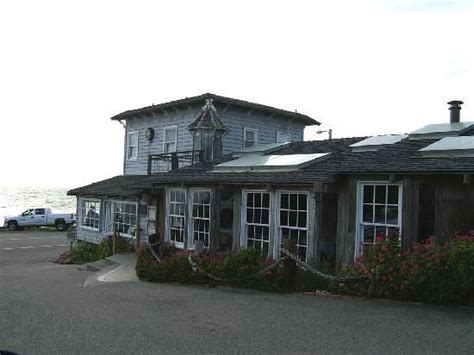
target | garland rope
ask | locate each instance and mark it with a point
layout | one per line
(302, 265)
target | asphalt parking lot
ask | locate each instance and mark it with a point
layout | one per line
(44, 309)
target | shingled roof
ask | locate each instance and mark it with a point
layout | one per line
(120, 185)
(402, 157)
(144, 111)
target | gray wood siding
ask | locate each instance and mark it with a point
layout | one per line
(234, 119)
(180, 118)
(266, 126)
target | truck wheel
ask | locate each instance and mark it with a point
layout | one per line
(12, 226)
(60, 226)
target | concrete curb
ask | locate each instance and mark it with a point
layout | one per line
(117, 268)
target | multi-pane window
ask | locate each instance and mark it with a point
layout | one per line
(176, 216)
(132, 145)
(90, 213)
(170, 138)
(201, 216)
(250, 137)
(257, 220)
(293, 221)
(379, 212)
(124, 216)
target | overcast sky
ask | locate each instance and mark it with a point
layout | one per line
(359, 67)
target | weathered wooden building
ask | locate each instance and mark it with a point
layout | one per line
(171, 135)
(329, 197)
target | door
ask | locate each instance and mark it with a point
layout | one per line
(27, 217)
(39, 217)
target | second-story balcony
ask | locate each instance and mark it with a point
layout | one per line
(161, 163)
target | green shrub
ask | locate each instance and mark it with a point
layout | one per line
(427, 273)
(247, 268)
(83, 252)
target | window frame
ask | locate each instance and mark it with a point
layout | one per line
(279, 227)
(243, 221)
(250, 129)
(180, 245)
(130, 133)
(175, 139)
(84, 212)
(191, 240)
(114, 203)
(360, 212)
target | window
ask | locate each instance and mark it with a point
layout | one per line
(379, 212)
(201, 216)
(124, 217)
(176, 216)
(132, 145)
(293, 221)
(283, 137)
(151, 220)
(170, 138)
(257, 220)
(28, 212)
(39, 211)
(250, 137)
(90, 213)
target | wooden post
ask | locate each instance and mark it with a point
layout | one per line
(137, 238)
(113, 240)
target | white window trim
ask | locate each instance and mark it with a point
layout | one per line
(128, 145)
(83, 200)
(180, 245)
(247, 129)
(175, 139)
(112, 209)
(278, 194)
(190, 230)
(359, 211)
(271, 220)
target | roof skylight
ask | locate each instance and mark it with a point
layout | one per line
(376, 142)
(451, 146)
(259, 148)
(441, 130)
(256, 162)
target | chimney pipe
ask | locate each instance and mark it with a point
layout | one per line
(455, 111)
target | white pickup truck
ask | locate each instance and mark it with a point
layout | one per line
(33, 217)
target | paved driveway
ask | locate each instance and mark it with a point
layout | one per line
(44, 309)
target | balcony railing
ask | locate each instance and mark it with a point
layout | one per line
(161, 163)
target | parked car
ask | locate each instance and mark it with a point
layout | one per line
(34, 217)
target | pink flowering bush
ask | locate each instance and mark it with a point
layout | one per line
(427, 273)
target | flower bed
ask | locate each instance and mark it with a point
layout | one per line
(427, 273)
(247, 268)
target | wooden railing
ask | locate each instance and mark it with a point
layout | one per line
(161, 163)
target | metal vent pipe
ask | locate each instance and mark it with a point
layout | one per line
(455, 111)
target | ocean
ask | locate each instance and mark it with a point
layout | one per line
(14, 200)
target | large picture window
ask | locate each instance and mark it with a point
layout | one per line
(293, 221)
(201, 216)
(379, 212)
(257, 220)
(90, 213)
(132, 145)
(124, 217)
(176, 217)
